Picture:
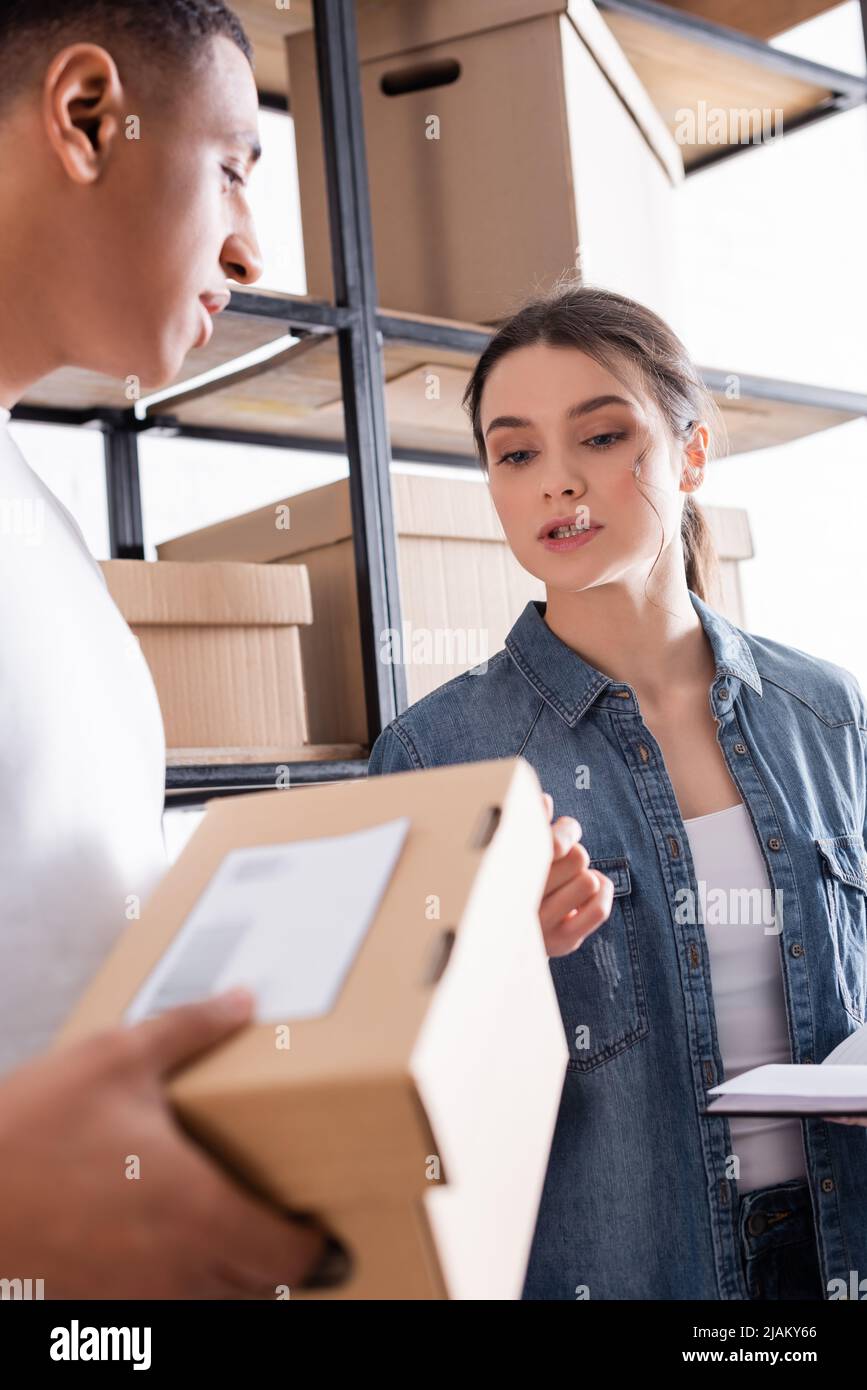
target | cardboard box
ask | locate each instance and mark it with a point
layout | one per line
(504, 138)
(733, 541)
(415, 1116)
(222, 643)
(461, 587)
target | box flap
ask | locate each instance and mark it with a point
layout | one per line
(167, 593)
(307, 520)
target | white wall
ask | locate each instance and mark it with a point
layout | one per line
(774, 248)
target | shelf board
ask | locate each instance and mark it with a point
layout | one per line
(687, 63)
(768, 413)
(299, 394)
(296, 394)
(72, 388)
(763, 19)
(273, 757)
(193, 783)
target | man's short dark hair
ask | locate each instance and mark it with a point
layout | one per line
(173, 34)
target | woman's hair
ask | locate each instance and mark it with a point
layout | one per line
(612, 330)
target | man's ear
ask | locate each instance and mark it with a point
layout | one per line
(82, 109)
(695, 458)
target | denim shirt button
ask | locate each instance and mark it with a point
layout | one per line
(827, 1184)
(723, 692)
(797, 949)
(757, 1223)
(740, 748)
(774, 843)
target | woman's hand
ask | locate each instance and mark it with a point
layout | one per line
(846, 1119)
(576, 899)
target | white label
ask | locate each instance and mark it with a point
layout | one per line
(285, 920)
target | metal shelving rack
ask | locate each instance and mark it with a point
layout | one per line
(361, 330)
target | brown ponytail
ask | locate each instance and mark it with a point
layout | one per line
(612, 329)
(699, 552)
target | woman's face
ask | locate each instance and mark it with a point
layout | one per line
(562, 436)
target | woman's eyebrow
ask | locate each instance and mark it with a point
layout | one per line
(517, 422)
(595, 402)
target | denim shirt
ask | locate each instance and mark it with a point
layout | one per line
(638, 1200)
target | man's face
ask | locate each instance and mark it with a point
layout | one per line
(166, 224)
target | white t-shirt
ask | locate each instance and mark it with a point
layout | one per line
(747, 981)
(82, 763)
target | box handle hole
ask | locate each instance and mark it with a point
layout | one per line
(484, 832)
(420, 77)
(440, 956)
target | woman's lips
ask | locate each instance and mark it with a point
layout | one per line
(570, 542)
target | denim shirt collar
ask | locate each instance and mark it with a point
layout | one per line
(571, 685)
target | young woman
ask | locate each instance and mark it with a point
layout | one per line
(705, 765)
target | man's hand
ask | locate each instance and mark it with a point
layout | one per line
(576, 899)
(72, 1121)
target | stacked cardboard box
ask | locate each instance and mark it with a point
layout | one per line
(506, 140)
(223, 645)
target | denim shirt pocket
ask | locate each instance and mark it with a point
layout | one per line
(599, 986)
(844, 877)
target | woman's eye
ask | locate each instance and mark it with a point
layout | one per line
(604, 441)
(232, 175)
(517, 458)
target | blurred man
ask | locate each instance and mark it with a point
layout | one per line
(127, 136)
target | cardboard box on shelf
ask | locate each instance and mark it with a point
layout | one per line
(403, 1075)
(461, 587)
(733, 541)
(222, 643)
(504, 139)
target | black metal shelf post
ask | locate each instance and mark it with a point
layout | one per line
(360, 351)
(123, 490)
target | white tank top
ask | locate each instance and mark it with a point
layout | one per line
(736, 905)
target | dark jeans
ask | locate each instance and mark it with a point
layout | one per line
(778, 1243)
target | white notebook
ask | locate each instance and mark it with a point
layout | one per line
(837, 1087)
